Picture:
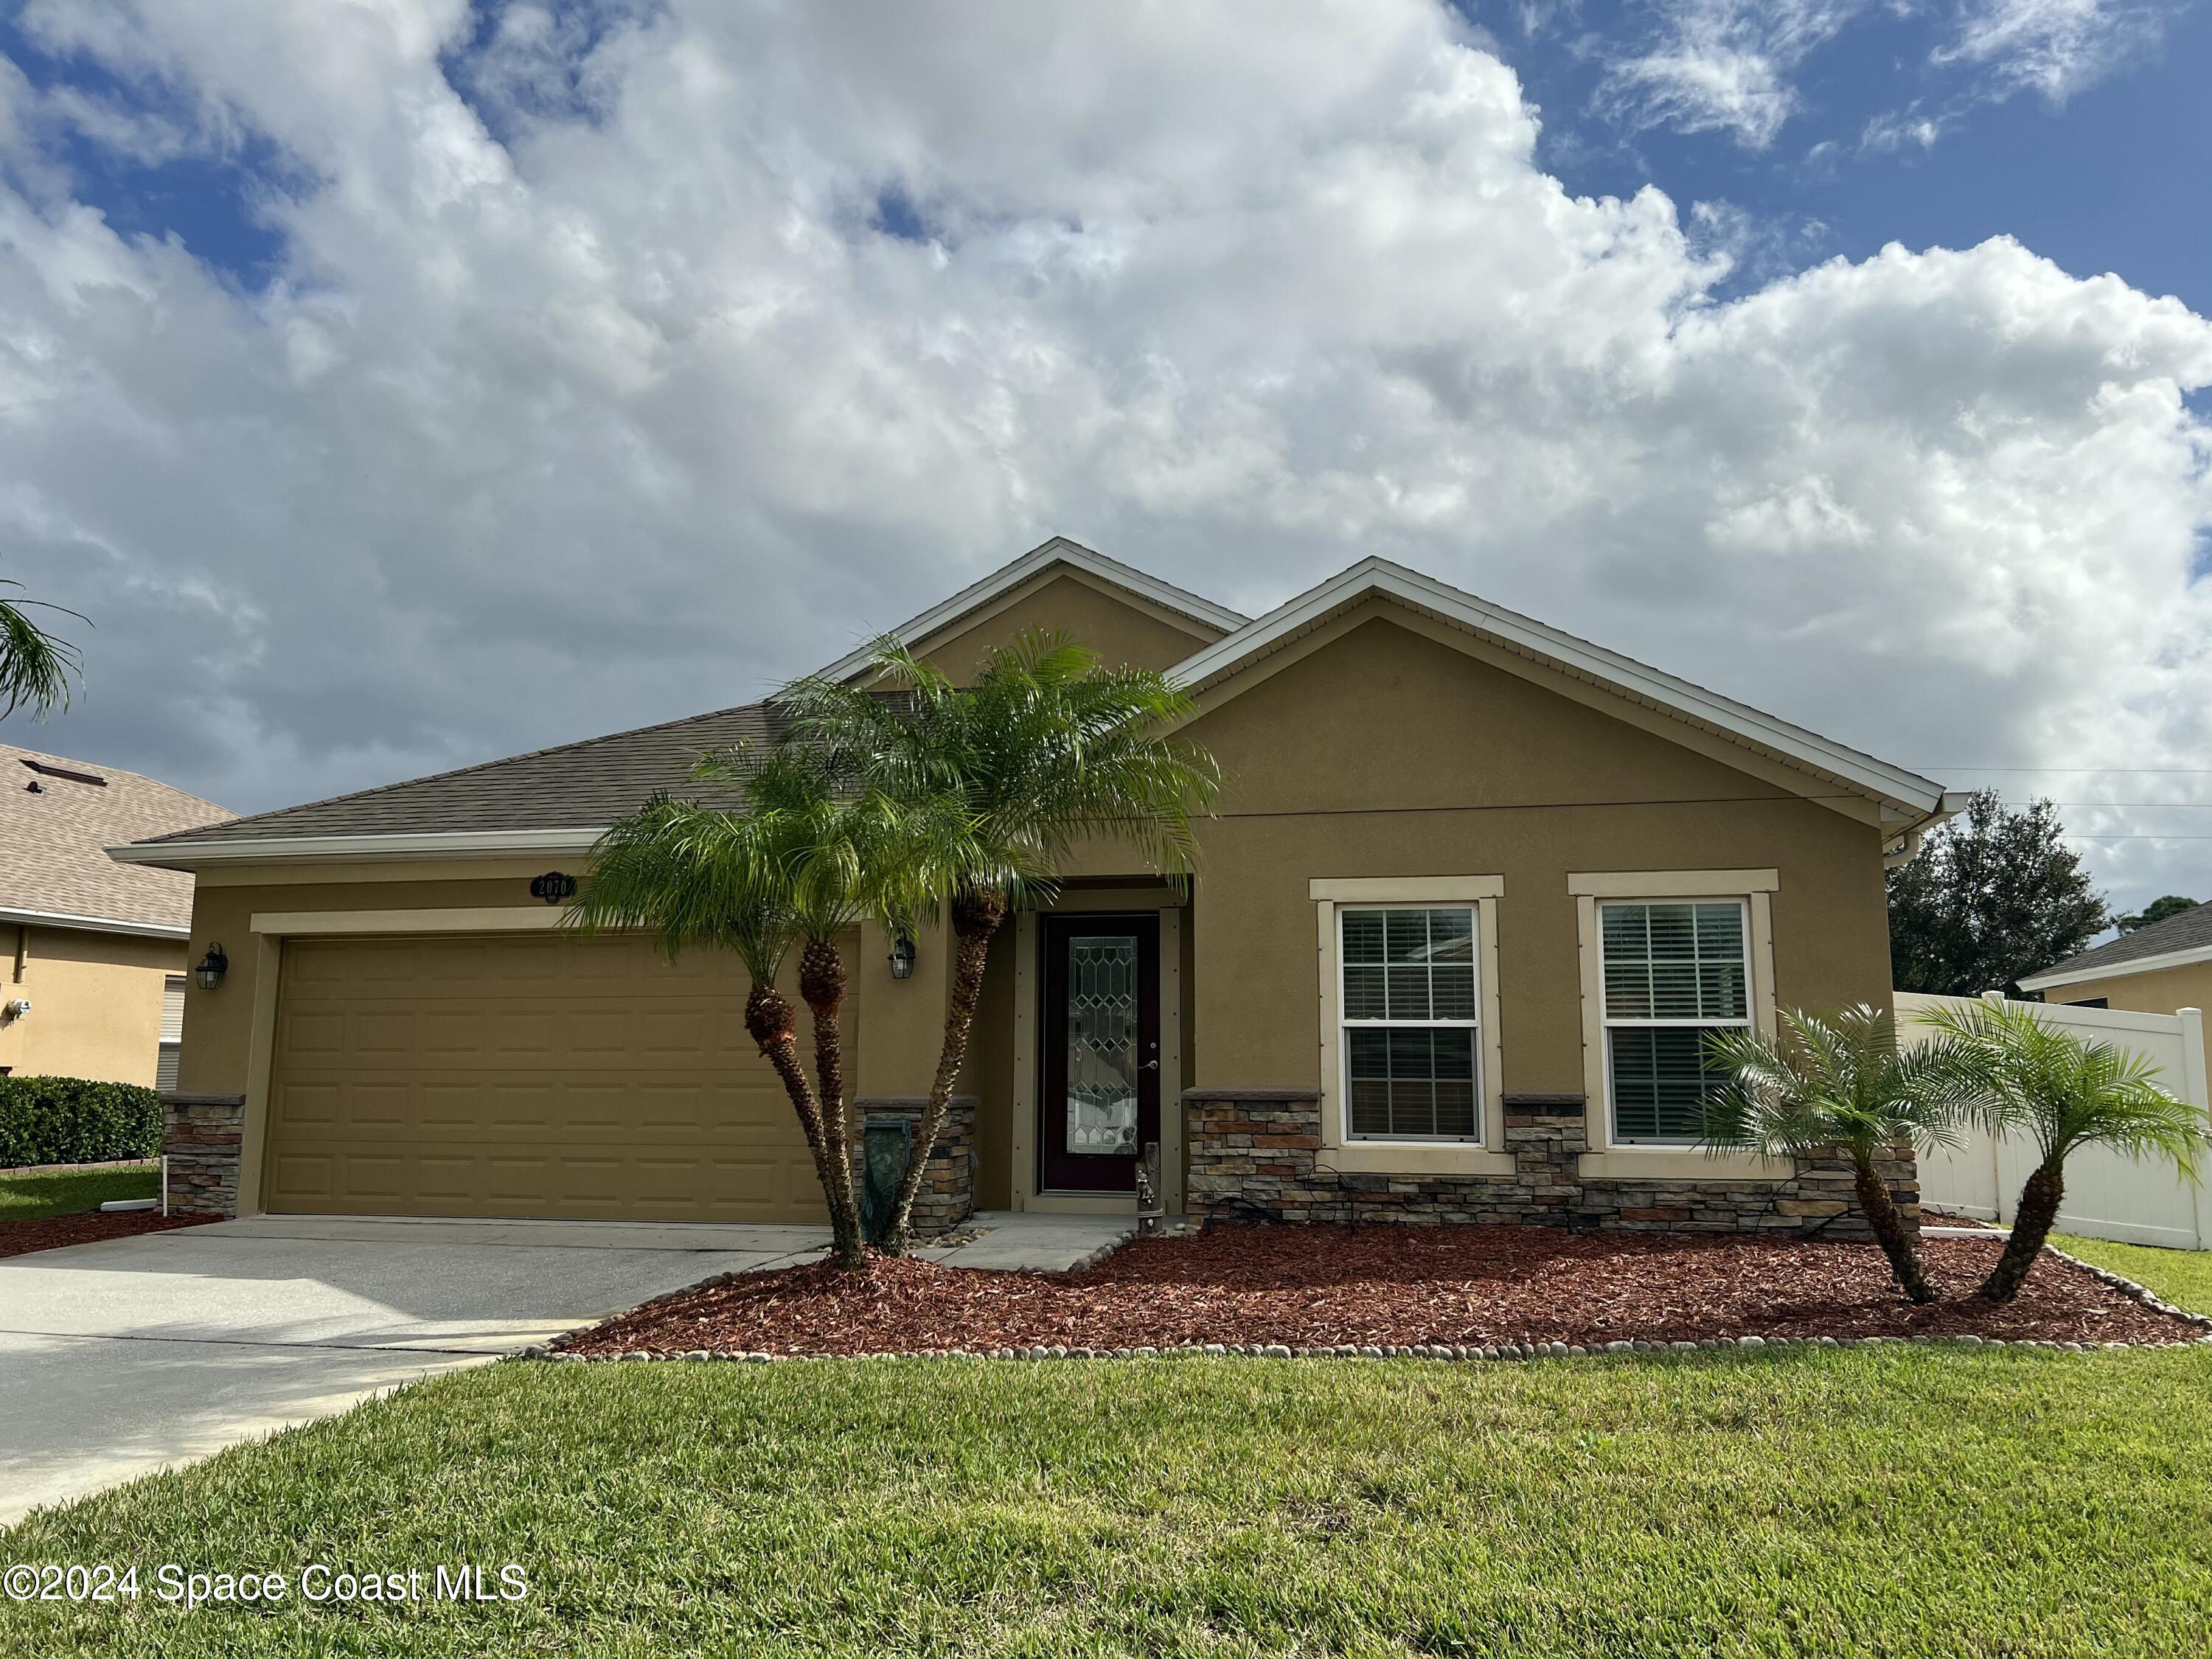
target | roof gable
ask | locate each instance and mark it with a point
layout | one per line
(1905, 797)
(1208, 619)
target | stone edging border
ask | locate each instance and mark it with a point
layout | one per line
(1508, 1351)
(2134, 1292)
(1501, 1351)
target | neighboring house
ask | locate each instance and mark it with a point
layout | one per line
(95, 970)
(1475, 890)
(2152, 970)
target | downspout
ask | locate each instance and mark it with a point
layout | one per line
(1906, 846)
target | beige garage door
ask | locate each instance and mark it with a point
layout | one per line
(524, 1075)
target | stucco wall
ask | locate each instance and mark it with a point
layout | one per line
(1389, 753)
(1065, 603)
(96, 1003)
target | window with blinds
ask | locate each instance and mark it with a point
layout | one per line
(1409, 1026)
(173, 1033)
(1672, 973)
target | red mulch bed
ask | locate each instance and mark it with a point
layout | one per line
(51, 1233)
(1313, 1287)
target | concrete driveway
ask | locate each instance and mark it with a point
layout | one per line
(124, 1357)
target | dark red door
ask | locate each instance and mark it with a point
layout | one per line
(1099, 1102)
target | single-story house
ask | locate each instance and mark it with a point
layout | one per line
(95, 982)
(1473, 891)
(2152, 970)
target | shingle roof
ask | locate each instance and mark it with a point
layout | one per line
(54, 837)
(575, 786)
(2191, 929)
(586, 786)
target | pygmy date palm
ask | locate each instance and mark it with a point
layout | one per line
(1045, 749)
(795, 864)
(2020, 1072)
(1838, 1080)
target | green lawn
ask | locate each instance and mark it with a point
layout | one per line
(27, 1197)
(2182, 1277)
(1894, 1501)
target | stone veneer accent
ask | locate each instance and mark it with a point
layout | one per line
(947, 1197)
(1259, 1151)
(200, 1137)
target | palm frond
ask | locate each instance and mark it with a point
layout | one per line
(2020, 1071)
(1835, 1079)
(36, 668)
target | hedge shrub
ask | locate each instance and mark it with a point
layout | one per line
(73, 1119)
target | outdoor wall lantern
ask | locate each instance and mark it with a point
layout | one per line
(213, 966)
(902, 958)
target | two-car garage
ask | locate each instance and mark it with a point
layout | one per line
(524, 1074)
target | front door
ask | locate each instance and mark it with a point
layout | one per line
(1100, 1099)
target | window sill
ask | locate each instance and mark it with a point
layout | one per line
(1411, 1157)
(1680, 1164)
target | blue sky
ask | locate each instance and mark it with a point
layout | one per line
(2111, 172)
(400, 385)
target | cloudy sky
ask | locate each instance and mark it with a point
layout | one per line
(400, 383)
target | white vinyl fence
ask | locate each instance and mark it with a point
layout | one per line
(2107, 1196)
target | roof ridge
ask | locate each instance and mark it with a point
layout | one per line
(474, 767)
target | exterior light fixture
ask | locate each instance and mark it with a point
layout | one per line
(213, 966)
(902, 958)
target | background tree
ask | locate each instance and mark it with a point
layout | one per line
(2156, 911)
(1047, 749)
(1994, 895)
(2017, 1073)
(1834, 1080)
(795, 864)
(35, 667)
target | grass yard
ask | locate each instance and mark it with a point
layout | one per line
(30, 1197)
(1899, 1501)
(2182, 1277)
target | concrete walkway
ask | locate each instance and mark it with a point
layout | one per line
(124, 1357)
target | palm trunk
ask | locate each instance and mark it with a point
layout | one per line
(821, 983)
(2041, 1197)
(1889, 1227)
(769, 1023)
(976, 915)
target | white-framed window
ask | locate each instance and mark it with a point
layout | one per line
(1410, 1038)
(173, 1033)
(1671, 972)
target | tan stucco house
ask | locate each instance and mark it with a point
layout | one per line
(2152, 970)
(1474, 889)
(95, 973)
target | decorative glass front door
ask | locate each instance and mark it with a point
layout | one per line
(1100, 1102)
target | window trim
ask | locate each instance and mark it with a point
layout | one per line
(1607, 1157)
(1340, 1150)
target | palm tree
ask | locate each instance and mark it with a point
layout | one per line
(794, 864)
(1842, 1082)
(1047, 748)
(2023, 1073)
(35, 667)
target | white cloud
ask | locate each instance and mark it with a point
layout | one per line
(1726, 66)
(2053, 48)
(636, 415)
